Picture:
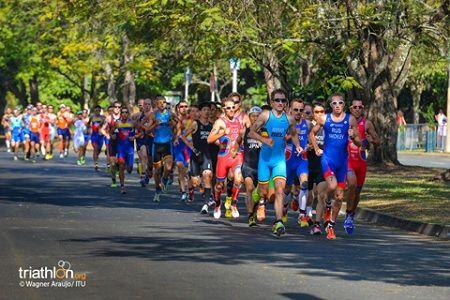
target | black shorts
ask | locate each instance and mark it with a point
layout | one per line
(200, 164)
(248, 171)
(314, 177)
(214, 150)
(147, 142)
(161, 151)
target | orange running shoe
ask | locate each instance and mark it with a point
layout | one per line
(330, 233)
(261, 213)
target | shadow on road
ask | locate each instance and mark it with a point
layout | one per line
(372, 254)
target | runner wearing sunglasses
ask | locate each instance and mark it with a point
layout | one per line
(272, 163)
(357, 163)
(338, 128)
(227, 133)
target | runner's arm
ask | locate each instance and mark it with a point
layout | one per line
(192, 129)
(217, 131)
(355, 137)
(256, 127)
(313, 139)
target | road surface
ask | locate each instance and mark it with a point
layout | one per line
(131, 248)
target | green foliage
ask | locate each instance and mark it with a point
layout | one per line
(428, 114)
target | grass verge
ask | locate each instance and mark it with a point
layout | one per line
(407, 192)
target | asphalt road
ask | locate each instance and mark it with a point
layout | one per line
(132, 248)
(428, 160)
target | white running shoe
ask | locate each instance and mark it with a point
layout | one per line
(234, 211)
(204, 209)
(217, 212)
(16, 158)
(61, 155)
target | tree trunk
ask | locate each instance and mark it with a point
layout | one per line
(129, 87)
(86, 95)
(34, 89)
(111, 91)
(416, 90)
(382, 114)
(93, 91)
(129, 90)
(271, 71)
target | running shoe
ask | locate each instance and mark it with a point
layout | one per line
(261, 213)
(278, 228)
(65, 153)
(96, 167)
(252, 220)
(113, 184)
(294, 204)
(330, 232)
(217, 212)
(316, 230)
(79, 162)
(204, 209)
(147, 179)
(191, 196)
(25, 158)
(142, 181)
(61, 155)
(8, 150)
(285, 211)
(327, 216)
(122, 190)
(184, 197)
(228, 213)
(303, 220)
(349, 224)
(47, 156)
(156, 197)
(50, 156)
(234, 211)
(16, 158)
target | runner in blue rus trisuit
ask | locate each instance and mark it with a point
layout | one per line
(338, 127)
(272, 163)
(163, 123)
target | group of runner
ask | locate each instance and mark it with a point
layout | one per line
(36, 128)
(289, 153)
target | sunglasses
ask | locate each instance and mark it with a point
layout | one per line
(280, 100)
(183, 106)
(117, 106)
(357, 107)
(230, 107)
(124, 111)
(334, 103)
(298, 109)
(321, 111)
(307, 112)
(237, 101)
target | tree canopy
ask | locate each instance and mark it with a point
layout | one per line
(87, 52)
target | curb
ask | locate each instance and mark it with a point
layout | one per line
(429, 229)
